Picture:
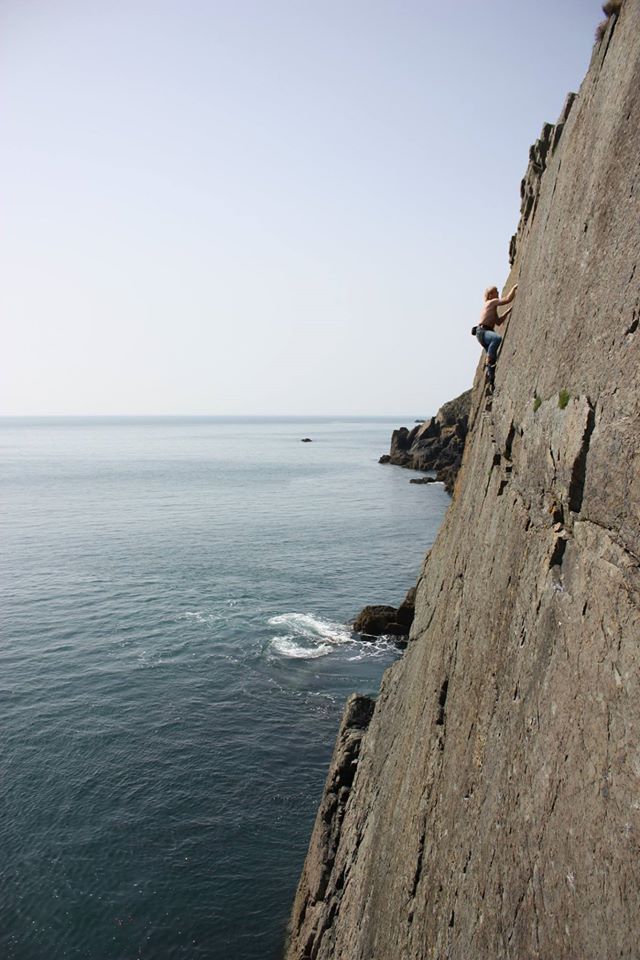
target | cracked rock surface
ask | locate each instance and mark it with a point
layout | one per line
(494, 808)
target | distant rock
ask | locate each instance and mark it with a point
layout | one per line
(436, 444)
(424, 480)
(306, 440)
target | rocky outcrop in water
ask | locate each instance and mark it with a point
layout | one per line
(436, 444)
(380, 620)
(495, 811)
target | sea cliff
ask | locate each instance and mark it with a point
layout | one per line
(487, 804)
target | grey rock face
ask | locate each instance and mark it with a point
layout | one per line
(539, 154)
(310, 913)
(495, 810)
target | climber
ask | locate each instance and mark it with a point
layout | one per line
(485, 332)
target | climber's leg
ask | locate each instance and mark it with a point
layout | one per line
(492, 341)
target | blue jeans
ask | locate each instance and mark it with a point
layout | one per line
(491, 341)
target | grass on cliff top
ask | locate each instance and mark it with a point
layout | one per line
(610, 9)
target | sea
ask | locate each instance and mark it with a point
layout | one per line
(175, 654)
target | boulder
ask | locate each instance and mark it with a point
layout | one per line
(374, 620)
(382, 620)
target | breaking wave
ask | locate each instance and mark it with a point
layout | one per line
(308, 637)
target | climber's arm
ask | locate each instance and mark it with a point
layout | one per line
(509, 297)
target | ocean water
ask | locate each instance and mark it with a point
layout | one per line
(174, 658)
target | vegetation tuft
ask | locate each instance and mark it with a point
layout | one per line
(610, 9)
(563, 398)
(537, 403)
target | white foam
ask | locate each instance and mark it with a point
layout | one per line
(373, 648)
(287, 647)
(313, 628)
(308, 637)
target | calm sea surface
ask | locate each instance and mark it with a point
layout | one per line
(174, 659)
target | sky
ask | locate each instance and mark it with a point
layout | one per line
(218, 207)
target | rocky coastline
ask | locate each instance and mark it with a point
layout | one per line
(434, 445)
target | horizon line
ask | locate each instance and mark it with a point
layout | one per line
(204, 416)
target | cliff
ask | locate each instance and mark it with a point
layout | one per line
(437, 444)
(494, 803)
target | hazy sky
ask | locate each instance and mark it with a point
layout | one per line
(263, 206)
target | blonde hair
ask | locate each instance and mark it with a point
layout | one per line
(489, 291)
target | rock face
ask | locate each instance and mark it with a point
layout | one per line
(325, 841)
(495, 810)
(539, 154)
(436, 444)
